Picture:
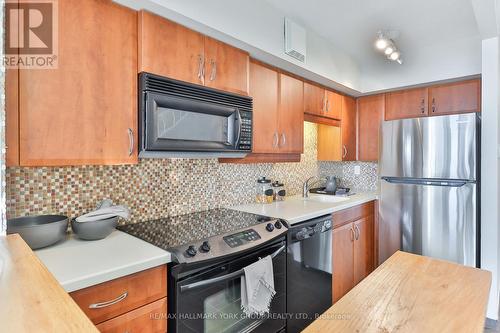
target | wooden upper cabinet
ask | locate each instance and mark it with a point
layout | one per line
(314, 99)
(329, 143)
(12, 117)
(85, 111)
(291, 115)
(265, 93)
(370, 116)
(406, 104)
(458, 97)
(364, 258)
(226, 67)
(169, 49)
(348, 126)
(343, 259)
(333, 105)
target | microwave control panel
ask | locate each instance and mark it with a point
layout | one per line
(246, 131)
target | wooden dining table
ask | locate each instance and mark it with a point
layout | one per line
(412, 293)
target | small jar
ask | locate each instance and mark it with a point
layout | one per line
(279, 192)
(264, 191)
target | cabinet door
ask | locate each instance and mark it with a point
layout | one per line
(314, 99)
(348, 126)
(333, 105)
(343, 260)
(406, 104)
(149, 318)
(329, 143)
(291, 115)
(169, 49)
(85, 111)
(226, 67)
(370, 116)
(12, 117)
(264, 91)
(458, 97)
(363, 248)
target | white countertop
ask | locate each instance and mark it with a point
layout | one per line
(77, 264)
(297, 209)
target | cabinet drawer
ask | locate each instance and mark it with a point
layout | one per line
(150, 318)
(354, 213)
(113, 298)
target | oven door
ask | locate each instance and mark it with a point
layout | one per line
(210, 301)
(182, 124)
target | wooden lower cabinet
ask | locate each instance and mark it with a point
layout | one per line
(150, 318)
(343, 259)
(353, 247)
(134, 301)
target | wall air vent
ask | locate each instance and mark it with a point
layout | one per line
(295, 40)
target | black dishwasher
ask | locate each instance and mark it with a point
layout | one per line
(309, 271)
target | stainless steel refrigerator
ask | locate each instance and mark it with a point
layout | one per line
(429, 187)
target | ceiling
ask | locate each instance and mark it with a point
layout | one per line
(352, 25)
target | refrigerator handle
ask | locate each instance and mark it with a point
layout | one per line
(429, 182)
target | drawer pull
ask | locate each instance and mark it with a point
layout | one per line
(108, 303)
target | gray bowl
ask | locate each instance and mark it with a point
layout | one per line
(39, 231)
(94, 230)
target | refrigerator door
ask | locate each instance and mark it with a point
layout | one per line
(435, 218)
(434, 147)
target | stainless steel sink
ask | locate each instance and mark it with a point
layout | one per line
(325, 198)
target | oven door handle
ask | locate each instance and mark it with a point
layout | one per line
(224, 277)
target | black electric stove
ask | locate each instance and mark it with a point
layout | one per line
(210, 249)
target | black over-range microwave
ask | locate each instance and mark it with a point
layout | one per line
(179, 119)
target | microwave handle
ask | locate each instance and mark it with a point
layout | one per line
(239, 128)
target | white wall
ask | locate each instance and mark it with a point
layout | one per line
(257, 27)
(490, 168)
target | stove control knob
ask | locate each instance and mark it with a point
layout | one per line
(270, 227)
(278, 225)
(205, 247)
(191, 251)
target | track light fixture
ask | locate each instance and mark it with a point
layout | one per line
(384, 43)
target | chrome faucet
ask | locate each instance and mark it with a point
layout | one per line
(307, 186)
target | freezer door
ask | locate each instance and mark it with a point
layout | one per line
(433, 147)
(437, 219)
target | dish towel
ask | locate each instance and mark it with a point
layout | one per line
(257, 287)
(104, 213)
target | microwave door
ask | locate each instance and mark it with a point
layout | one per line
(179, 124)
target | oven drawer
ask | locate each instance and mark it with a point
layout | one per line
(113, 298)
(150, 318)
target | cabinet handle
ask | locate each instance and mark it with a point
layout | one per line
(275, 140)
(130, 142)
(109, 303)
(213, 73)
(327, 105)
(345, 151)
(433, 104)
(283, 139)
(357, 231)
(352, 234)
(201, 67)
(323, 104)
(422, 105)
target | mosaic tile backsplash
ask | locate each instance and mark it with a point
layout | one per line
(168, 187)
